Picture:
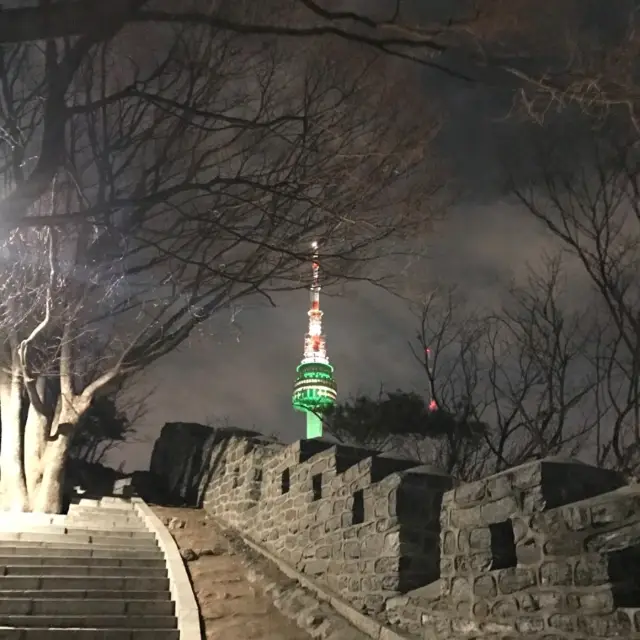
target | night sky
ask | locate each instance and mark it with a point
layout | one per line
(243, 372)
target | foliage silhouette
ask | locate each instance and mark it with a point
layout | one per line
(384, 422)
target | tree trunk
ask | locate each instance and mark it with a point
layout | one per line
(47, 496)
(13, 489)
(35, 436)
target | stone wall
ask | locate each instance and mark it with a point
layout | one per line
(365, 525)
(549, 550)
(182, 459)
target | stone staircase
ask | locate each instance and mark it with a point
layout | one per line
(96, 573)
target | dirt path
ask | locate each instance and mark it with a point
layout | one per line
(232, 608)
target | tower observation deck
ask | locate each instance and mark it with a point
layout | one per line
(315, 389)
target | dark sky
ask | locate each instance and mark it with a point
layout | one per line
(246, 376)
(245, 372)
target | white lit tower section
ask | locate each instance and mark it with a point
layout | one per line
(315, 389)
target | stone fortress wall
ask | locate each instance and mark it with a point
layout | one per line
(548, 550)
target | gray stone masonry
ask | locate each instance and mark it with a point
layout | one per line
(365, 525)
(548, 550)
(180, 461)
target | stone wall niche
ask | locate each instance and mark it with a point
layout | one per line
(357, 507)
(503, 545)
(623, 568)
(316, 486)
(285, 481)
(418, 501)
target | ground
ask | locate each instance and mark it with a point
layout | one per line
(231, 606)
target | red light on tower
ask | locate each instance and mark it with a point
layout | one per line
(433, 405)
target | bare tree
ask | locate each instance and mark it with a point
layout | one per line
(448, 346)
(550, 56)
(524, 371)
(591, 205)
(186, 181)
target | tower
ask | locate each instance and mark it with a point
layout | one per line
(314, 390)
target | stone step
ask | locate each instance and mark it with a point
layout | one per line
(116, 505)
(51, 550)
(104, 523)
(108, 583)
(138, 534)
(100, 514)
(109, 528)
(125, 508)
(74, 571)
(107, 514)
(90, 621)
(85, 607)
(87, 594)
(79, 539)
(34, 633)
(82, 561)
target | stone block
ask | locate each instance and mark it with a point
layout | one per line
(499, 486)
(386, 524)
(529, 625)
(592, 601)
(616, 624)
(485, 587)
(475, 563)
(466, 518)
(529, 552)
(590, 570)
(449, 542)
(515, 579)
(391, 543)
(470, 494)
(613, 538)
(563, 622)
(386, 565)
(565, 546)
(479, 539)
(316, 567)
(390, 582)
(460, 589)
(558, 573)
(499, 511)
(526, 476)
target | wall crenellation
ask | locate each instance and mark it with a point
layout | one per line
(367, 525)
(550, 549)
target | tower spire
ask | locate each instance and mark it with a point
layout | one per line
(315, 389)
(314, 342)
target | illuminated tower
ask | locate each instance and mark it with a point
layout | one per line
(315, 390)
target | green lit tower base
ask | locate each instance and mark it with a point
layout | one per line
(315, 390)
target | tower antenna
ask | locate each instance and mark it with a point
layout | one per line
(315, 389)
